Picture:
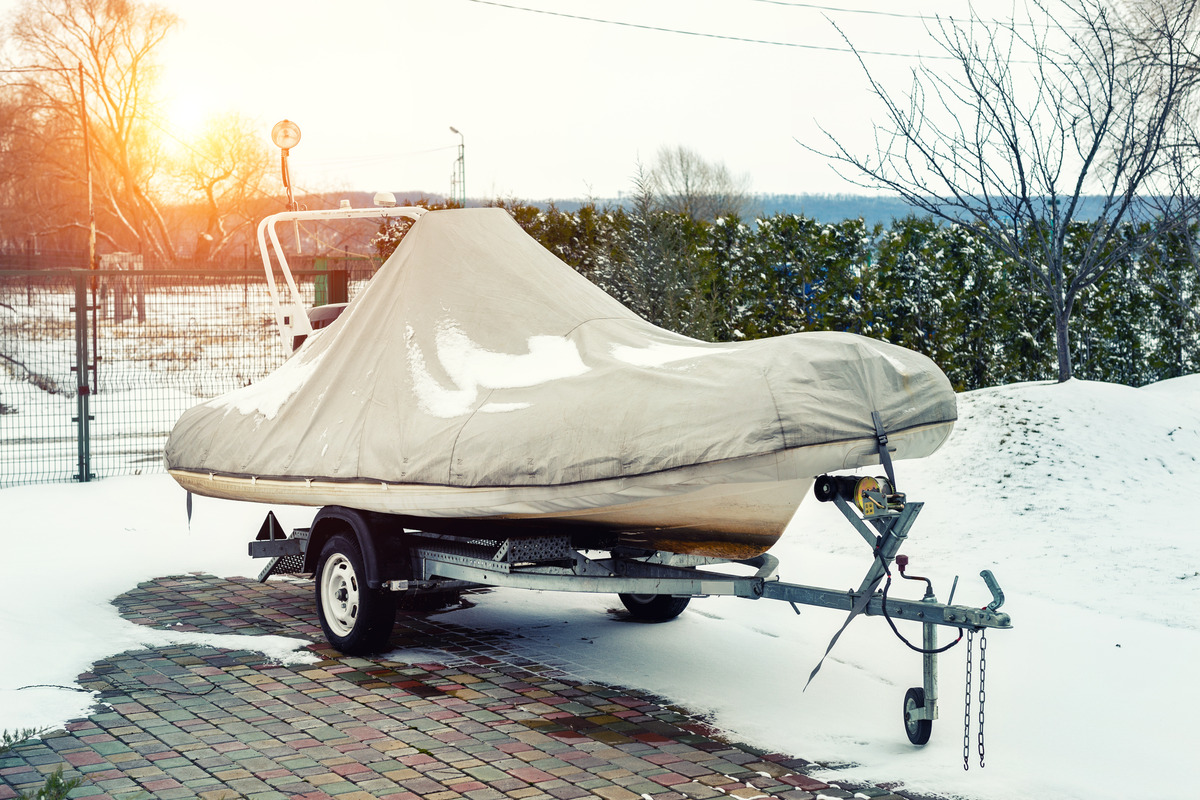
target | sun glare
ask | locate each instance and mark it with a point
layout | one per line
(186, 115)
(188, 100)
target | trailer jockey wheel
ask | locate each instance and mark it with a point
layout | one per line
(654, 607)
(356, 619)
(918, 730)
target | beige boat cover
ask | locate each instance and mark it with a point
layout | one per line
(477, 358)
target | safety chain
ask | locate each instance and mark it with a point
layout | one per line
(967, 707)
(967, 700)
(982, 693)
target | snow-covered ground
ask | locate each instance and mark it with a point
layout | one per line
(1080, 497)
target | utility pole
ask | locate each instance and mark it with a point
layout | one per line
(87, 161)
(458, 183)
(87, 169)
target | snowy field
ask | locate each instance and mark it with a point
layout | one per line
(195, 342)
(1080, 497)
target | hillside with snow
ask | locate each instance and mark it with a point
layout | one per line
(1079, 497)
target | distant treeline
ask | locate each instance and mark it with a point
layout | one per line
(937, 289)
(872, 209)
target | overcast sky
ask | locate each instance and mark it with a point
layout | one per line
(549, 106)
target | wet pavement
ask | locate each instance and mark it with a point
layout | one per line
(479, 720)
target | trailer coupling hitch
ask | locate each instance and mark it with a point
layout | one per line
(993, 587)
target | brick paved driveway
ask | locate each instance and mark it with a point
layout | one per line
(479, 721)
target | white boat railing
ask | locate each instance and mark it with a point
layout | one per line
(291, 313)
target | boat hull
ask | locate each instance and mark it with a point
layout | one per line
(732, 509)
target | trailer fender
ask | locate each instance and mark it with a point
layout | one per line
(380, 538)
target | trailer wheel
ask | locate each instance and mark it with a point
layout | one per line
(356, 619)
(918, 730)
(654, 607)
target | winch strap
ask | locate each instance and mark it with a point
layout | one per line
(885, 457)
(860, 605)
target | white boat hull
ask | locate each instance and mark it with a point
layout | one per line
(733, 509)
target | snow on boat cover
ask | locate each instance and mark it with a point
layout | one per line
(479, 383)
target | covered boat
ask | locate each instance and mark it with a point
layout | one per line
(480, 384)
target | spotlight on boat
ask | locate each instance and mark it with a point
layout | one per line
(286, 135)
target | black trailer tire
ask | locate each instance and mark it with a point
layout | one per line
(918, 730)
(654, 607)
(356, 619)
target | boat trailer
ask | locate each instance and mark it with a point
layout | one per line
(362, 561)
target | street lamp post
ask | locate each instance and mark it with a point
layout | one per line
(458, 187)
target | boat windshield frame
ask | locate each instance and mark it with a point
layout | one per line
(291, 314)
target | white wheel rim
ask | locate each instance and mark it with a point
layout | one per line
(339, 595)
(643, 599)
(910, 705)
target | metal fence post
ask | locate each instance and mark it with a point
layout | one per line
(83, 388)
(339, 286)
(206, 332)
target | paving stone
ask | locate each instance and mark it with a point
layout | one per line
(490, 716)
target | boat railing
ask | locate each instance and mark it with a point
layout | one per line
(291, 313)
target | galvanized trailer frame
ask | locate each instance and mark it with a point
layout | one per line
(399, 559)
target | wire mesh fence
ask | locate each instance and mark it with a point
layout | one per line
(96, 366)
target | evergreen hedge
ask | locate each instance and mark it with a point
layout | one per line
(937, 289)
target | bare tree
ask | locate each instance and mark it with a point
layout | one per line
(684, 182)
(42, 175)
(226, 167)
(1038, 115)
(115, 42)
(1156, 29)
